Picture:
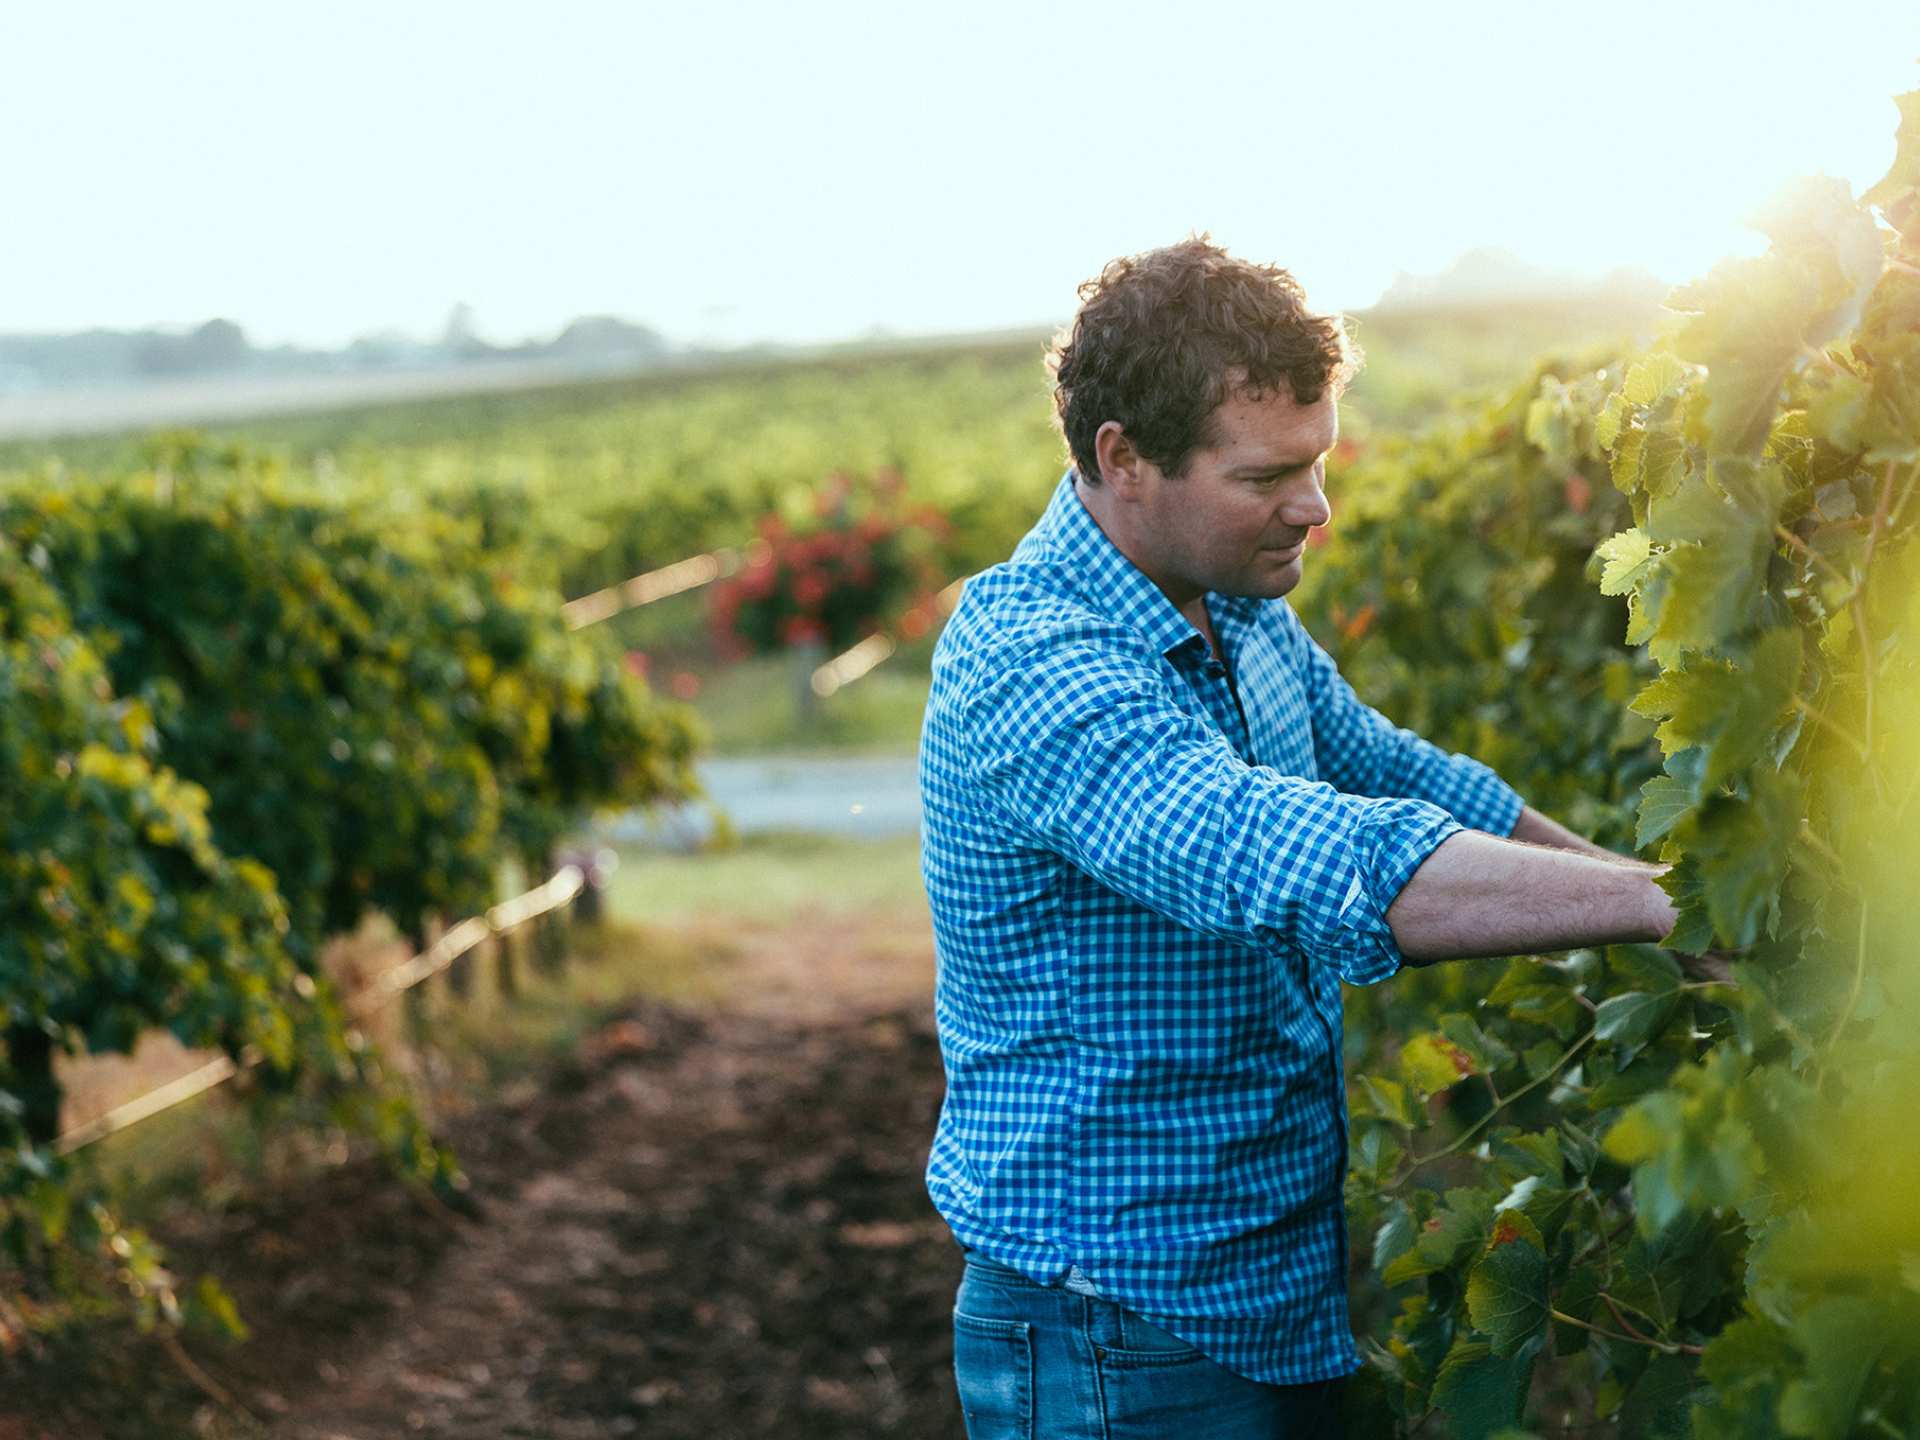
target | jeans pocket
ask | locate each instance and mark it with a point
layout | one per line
(1150, 1394)
(993, 1371)
(1139, 1336)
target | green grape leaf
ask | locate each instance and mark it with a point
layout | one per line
(1891, 429)
(1522, 976)
(1409, 1264)
(1628, 1022)
(1643, 967)
(1656, 1406)
(1625, 558)
(1578, 1297)
(1652, 1068)
(1643, 610)
(1741, 852)
(1507, 1292)
(1607, 424)
(1623, 444)
(1842, 1338)
(1748, 1364)
(1581, 1148)
(1540, 1059)
(1548, 1006)
(1731, 710)
(1432, 1063)
(1710, 595)
(1757, 320)
(1387, 1100)
(1635, 426)
(1688, 703)
(1664, 803)
(1662, 462)
(1757, 494)
(1482, 1049)
(1394, 1237)
(1547, 1206)
(1653, 377)
(1481, 1393)
(1536, 1152)
(1691, 1146)
(1461, 1221)
(1693, 927)
(1836, 406)
(1694, 514)
(1752, 314)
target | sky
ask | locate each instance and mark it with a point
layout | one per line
(730, 173)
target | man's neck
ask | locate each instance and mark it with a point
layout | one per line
(1184, 598)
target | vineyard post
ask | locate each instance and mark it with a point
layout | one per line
(549, 932)
(509, 972)
(482, 975)
(462, 974)
(808, 656)
(587, 906)
(426, 1003)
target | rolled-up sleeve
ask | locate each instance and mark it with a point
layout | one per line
(1081, 747)
(1362, 752)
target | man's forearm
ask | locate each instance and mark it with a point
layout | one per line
(1478, 894)
(1533, 828)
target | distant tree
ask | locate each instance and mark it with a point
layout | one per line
(461, 337)
(216, 345)
(607, 335)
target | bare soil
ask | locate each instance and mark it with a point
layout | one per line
(708, 1221)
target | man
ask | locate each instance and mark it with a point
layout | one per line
(1160, 831)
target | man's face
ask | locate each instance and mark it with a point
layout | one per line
(1236, 523)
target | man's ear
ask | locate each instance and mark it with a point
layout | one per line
(1119, 462)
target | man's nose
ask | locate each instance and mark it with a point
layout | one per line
(1305, 505)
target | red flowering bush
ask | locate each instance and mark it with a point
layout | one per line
(861, 557)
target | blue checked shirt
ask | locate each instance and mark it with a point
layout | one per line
(1146, 892)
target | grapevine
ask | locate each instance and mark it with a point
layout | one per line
(1679, 1205)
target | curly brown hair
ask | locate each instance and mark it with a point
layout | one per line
(1162, 338)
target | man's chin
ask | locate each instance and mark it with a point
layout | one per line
(1270, 585)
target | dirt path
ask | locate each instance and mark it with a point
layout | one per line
(710, 1222)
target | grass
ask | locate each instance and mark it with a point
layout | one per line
(754, 708)
(767, 877)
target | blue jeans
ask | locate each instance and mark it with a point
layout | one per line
(1038, 1362)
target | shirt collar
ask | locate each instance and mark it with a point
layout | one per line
(1116, 587)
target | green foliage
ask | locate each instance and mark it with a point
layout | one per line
(1692, 1201)
(377, 710)
(231, 723)
(122, 914)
